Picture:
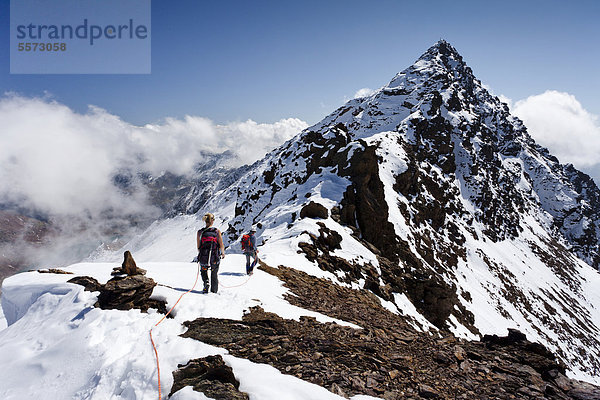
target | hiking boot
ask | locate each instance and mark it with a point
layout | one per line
(205, 290)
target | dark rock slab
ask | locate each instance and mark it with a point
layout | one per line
(209, 375)
(314, 210)
(90, 284)
(123, 293)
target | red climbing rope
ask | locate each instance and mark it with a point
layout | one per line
(241, 284)
(165, 316)
(161, 320)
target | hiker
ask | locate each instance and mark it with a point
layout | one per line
(250, 250)
(210, 251)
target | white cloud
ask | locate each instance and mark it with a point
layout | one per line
(364, 92)
(558, 121)
(249, 140)
(63, 162)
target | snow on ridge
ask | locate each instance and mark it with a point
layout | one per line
(109, 352)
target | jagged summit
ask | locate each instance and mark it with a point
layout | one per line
(441, 49)
(441, 58)
(439, 83)
(441, 62)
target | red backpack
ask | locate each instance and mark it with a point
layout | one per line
(246, 245)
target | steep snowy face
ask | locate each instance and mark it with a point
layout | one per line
(444, 116)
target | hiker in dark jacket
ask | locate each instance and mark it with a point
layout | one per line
(250, 250)
(210, 251)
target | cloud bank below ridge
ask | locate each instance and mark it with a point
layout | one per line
(61, 165)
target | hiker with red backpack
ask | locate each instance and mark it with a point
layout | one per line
(210, 251)
(250, 250)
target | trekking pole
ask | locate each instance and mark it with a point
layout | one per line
(209, 264)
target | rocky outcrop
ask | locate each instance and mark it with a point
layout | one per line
(124, 292)
(434, 298)
(387, 358)
(209, 375)
(319, 251)
(128, 267)
(314, 210)
(364, 204)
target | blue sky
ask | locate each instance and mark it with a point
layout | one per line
(268, 60)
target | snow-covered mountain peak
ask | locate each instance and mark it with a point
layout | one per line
(429, 195)
(438, 84)
(440, 61)
(441, 48)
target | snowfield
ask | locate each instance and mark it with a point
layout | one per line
(71, 350)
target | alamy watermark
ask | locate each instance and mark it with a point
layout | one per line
(80, 36)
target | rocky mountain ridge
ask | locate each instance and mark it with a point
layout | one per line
(385, 358)
(434, 191)
(416, 243)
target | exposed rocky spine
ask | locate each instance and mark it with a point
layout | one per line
(387, 358)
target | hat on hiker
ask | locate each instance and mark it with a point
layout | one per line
(253, 229)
